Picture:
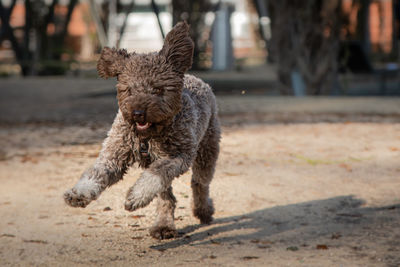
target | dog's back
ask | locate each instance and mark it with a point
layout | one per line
(199, 95)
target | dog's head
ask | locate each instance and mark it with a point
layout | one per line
(150, 86)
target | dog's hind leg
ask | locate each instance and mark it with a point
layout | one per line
(203, 171)
(164, 226)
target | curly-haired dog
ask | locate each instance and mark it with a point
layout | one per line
(167, 122)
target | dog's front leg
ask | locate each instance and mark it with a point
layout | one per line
(155, 180)
(114, 159)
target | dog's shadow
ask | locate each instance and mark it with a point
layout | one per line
(303, 222)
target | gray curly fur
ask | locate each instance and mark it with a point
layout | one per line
(184, 132)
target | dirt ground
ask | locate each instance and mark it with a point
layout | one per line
(317, 194)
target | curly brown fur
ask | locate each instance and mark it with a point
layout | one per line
(174, 115)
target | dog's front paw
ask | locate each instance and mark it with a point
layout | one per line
(143, 192)
(75, 199)
(163, 232)
(136, 200)
(82, 193)
(132, 203)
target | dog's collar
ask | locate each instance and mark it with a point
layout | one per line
(144, 148)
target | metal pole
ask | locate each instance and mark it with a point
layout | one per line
(99, 27)
(112, 23)
(157, 12)
(123, 27)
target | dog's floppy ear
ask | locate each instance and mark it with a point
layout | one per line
(178, 48)
(111, 62)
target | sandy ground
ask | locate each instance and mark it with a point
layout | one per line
(285, 195)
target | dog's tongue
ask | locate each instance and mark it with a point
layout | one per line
(142, 126)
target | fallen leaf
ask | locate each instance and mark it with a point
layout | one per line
(246, 258)
(3, 155)
(36, 241)
(137, 216)
(346, 167)
(336, 236)
(322, 246)
(215, 242)
(7, 235)
(394, 148)
(313, 162)
(231, 174)
(27, 158)
(267, 242)
(93, 226)
(93, 155)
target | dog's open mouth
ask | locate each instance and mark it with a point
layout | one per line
(142, 126)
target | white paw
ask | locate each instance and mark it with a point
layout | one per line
(144, 191)
(82, 193)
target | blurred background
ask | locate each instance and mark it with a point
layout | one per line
(338, 47)
(308, 97)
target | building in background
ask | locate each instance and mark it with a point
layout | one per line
(376, 26)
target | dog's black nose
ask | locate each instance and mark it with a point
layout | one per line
(138, 116)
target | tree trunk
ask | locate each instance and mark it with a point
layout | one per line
(5, 14)
(305, 40)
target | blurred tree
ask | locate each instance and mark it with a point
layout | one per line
(41, 43)
(305, 44)
(362, 19)
(194, 13)
(105, 15)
